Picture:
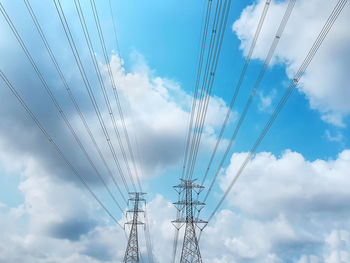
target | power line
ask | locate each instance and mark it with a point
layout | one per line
(207, 92)
(71, 96)
(294, 82)
(48, 137)
(194, 100)
(55, 102)
(254, 90)
(215, 43)
(102, 85)
(87, 85)
(114, 28)
(194, 103)
(148, 237)
(146, 228)
(239, 83)
(196, 132)
(115, 91)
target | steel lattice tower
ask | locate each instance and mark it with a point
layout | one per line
(190, 249)
(132, 249)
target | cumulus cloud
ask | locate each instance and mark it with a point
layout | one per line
(157, 110)
(325, 82)
(266, 101)
(58, 221)
(283, 208)
(337, 137)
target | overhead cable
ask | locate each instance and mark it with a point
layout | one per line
(238, 86)
(267, 61)
(53, 143)
(294, 82)
(56, 104)
(87, 85)
(115, 93)
(71, 96)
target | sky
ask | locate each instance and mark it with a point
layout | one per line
(291, 202)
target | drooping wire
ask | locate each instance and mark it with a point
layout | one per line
(294, 82)
(194, 134)
(193, 107)
(202, 116)
(149, 243)
(267, 61)
(71, 96)
(237, 88)
(194, 100)
(198, 110)
(241, 78)
(193, 139)
(53, 143)
(148, 238)
(87, 85)
(55, 102)
(114, 28)
(115, 91)
(102, 85)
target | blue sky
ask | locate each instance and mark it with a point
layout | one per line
(302, 164)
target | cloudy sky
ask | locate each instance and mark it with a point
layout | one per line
(290, 204)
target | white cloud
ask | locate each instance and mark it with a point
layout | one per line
(290, 180)
(338, 137)
(285, 208)
(325, 82)
(282, 208)
(157, 112)
(265, 101)
(339, 246)
(58, 221)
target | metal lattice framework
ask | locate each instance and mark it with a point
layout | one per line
(132, 249)
(190, 249)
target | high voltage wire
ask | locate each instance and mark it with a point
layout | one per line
(114, 27)
(87, 85)
(218, 19)
(115, 91)
(239, 83)
(207, 92)
(198, 112)
(211, 64)
(194, 100)
(194, 103)
(112, 80)
(254, 90)
(55, 102)
(71, 96)
(215, 43)
(146, 230)
(268, 58)
(148, 237)
(316, 45)
(119, 54)
(208, 79)
(48, 137)
(102, 85)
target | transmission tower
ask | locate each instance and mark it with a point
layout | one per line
(186, 206)
(132, 249)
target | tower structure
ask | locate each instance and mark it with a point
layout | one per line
(186, 206)
(132, 250)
